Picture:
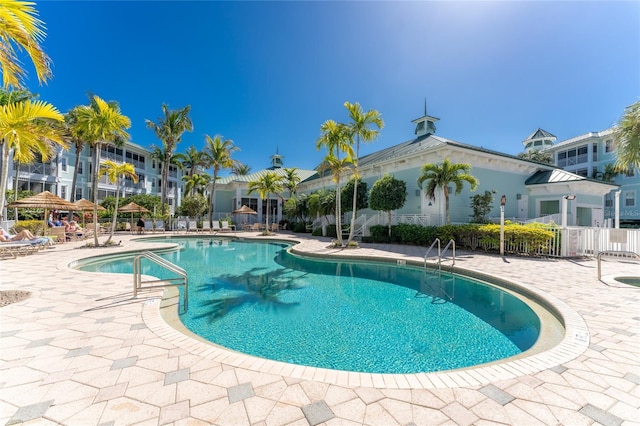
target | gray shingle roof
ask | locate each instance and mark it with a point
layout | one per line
(303, 174)
(539, 134)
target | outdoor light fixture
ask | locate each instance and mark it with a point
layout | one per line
(569, 197)
(503, 201)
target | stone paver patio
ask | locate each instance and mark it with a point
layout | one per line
(81, 351)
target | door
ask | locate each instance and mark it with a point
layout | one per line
(523, 207)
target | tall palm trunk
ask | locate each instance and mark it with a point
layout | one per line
(355, 195)
(94, 190)
(115, 213)
(212, 196)
(15, 191)
(4, 177)
(165, 184)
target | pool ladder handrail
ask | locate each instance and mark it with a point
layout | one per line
(451, 244)
(616, 253)
(183, 279)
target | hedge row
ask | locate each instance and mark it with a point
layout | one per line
(525, 239)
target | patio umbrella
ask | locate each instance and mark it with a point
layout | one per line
(133, 208)
(44, 200)
(84, 205)
(244, 210)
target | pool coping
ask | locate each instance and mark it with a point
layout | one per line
(160, 311)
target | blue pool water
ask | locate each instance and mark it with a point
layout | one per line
(256, 298)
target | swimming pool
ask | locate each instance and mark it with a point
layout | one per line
(259, 299)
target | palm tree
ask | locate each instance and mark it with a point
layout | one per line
(196, 183)
(217, 155)
(609, 174)
(441, 175)
(20, 26)
(191, 160)
(335, 137)
(361, 127)
(627, 137)
(72, 134)
(116, 173)
(169, 129)
(100, 122)
(240, 169)
(292, 179)
(26, 130)
(267, 184)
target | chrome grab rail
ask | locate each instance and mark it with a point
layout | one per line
(614, 253)
(426, 255)
(183, 278)
(451, 243)
(453, 251)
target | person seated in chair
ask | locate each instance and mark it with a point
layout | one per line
(25, 234)
(140, 225)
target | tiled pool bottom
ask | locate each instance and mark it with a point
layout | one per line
(79, 352)
(547, 353)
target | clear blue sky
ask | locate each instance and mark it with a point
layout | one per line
(268, 74)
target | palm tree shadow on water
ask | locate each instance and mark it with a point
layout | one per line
(256, 286)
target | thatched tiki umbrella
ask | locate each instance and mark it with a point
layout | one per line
(244, 210)
(84, 205)
(44, 200)
(133, 208)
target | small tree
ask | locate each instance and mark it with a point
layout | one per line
(346, 197)
(194, 205)
(387, 194)
(537, 155)
(481, 204)
(116, 174)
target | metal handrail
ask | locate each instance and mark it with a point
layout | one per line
(613, 253)
(183, 277)
(453, 251)
(426, 255)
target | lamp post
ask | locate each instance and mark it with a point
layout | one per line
(563, 224)
(503, 201)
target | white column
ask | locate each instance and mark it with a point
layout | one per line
(563, 222)
(616, 204)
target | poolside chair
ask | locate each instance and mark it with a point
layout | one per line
(206, 226)
(127, 227)
(216, 226)
(159, 226)
(181, 225)
(225, 227)
(148, 226)
(256, 226)
(15, 248)
(193, 226)
(275, 227)
(57, 234)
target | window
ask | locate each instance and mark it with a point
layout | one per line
(562, 159)
(609, 145)
(594, 173)
(595, 152)
(78, 194)
(629, 198)
(63, 162)
(608, 202)
(549, 207)
(80, 168)
(63, 192)
(582, 172)
(250, 202)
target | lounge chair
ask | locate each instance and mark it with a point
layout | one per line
(181, 226)
(148, 226)
(275, 227)
(256, 226)
(127, 227)
(193, 226)
(15, 248)
(206, 226)
(216, 226)
(225, 227)
(57, 234)
(159, 226)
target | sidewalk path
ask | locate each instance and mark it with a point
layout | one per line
(80, 351)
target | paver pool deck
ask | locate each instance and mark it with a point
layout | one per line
(81, 351)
